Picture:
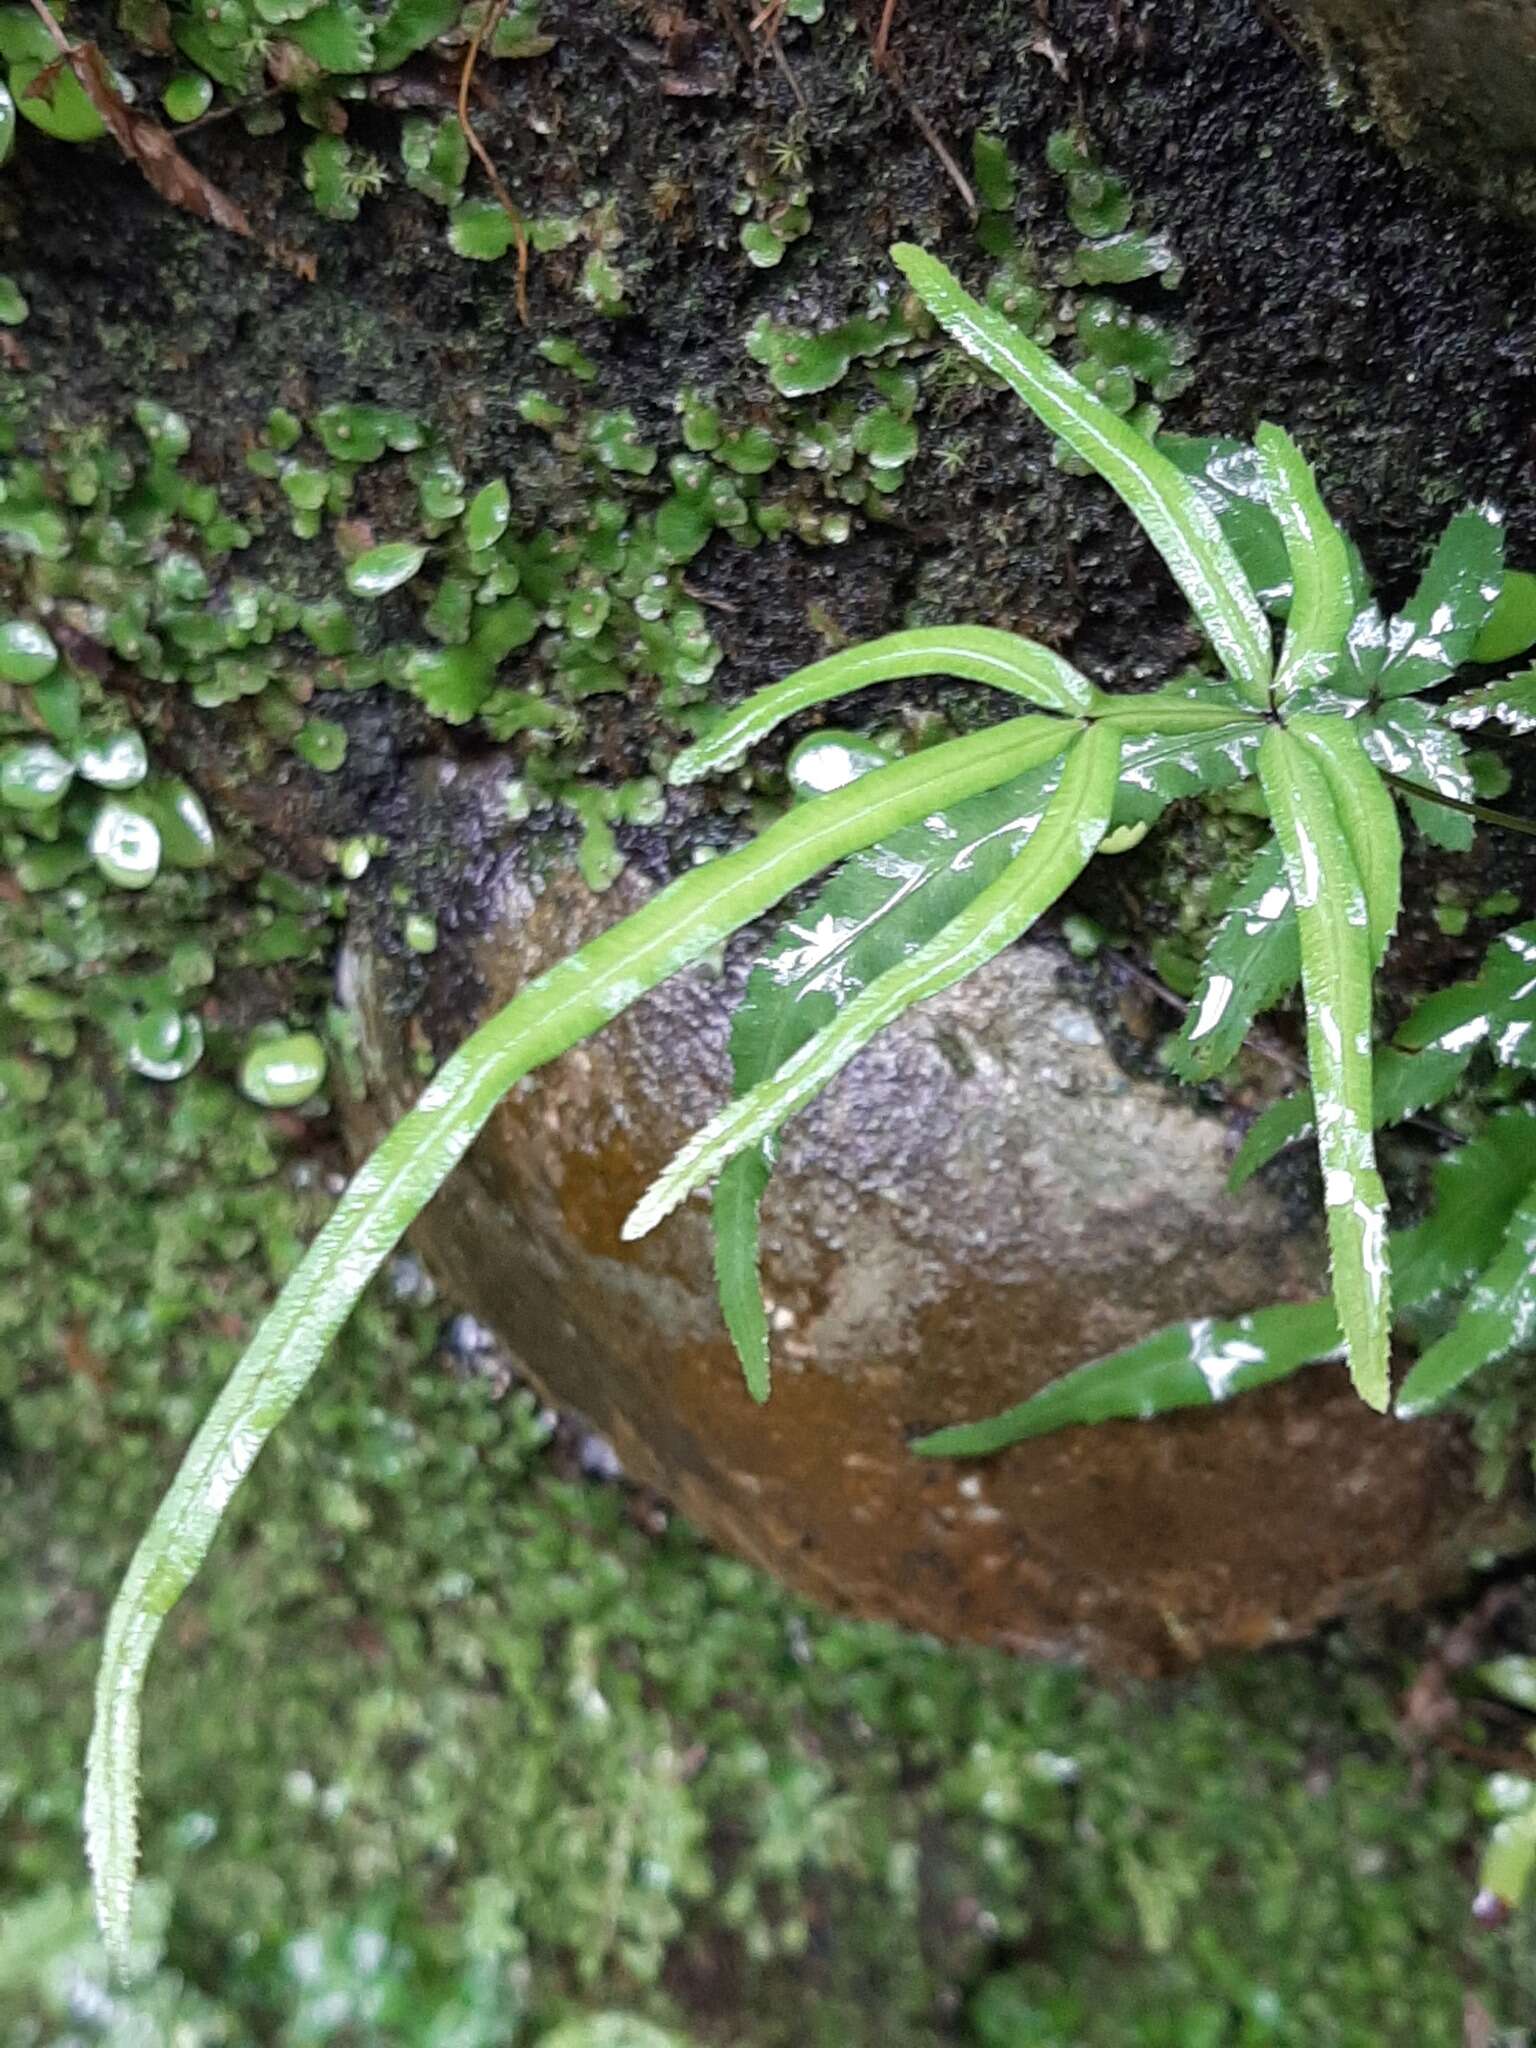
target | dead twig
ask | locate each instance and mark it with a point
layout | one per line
(489, 22)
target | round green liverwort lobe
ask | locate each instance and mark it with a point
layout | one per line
(281, 1073)
(383, 569)
(165, 1046)
(27, 652)
(114, 761)
(34, 776)
(831, 760)
(187, 96)
(125, 845)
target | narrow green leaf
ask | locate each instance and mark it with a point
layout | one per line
(1511, 703)
(574, 999)
(1322, 599)
(1336, 962)
(1230, 477)
(975, 654)
(1253, 959)
(1060, 847)
(1500, 1317)
(1186, 1365)
(1367, 815)
(877, 910)
(1440, 626)
(1413, 741)
(1175, 518)
(734, 1219)
(1509, 1858)
(1511, 627)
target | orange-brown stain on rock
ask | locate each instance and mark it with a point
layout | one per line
(943, 1236)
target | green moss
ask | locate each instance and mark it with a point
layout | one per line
(449, 1731)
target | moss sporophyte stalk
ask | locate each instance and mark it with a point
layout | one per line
(969, 842)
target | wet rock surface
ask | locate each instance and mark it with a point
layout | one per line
(983, 1200)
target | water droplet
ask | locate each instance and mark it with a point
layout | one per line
(281, 1073)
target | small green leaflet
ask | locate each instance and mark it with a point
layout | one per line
(1476, 1189)
(1197, 1363)
(1336, 966)
(1500, 1317)
(1159, 766)
(1431, 1050)
(1253, 959)
(1062, 844)
(878, 908)
(1437, 630)
(977, 654)
(1322, 599)
(1186, 1365)
(1408, 739)
(1230, 477)
(1173, 515)
(1511, 703)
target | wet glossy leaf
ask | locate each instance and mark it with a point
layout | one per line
(1337, 945)
(1511, 703)
(1322, 592)
(557, 1010)
(1160, 766)
(1509, 1858)
(1367, 815)
(1175, 518)
(977, 654)
(408, 26)
(1511, 627)
(1254, 958)
(1413, 741)
(880, 907)
(1500, 1317)
(1063, 842)
(1230, 477)
(1187, 1365)
(1437, 630)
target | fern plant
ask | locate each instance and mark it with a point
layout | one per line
(951, 855)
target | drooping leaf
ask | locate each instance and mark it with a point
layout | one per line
(1174, 516)
(1437, 630)
(151, 148)
(1511, 627)
(878, 909)
(1229, 476)
(691, 917)
(1412, 741)
(1336, 966)
(1500, 1317)
(1252, 961)
(1511, 703)
(1060, 847)
(1322, 589)
(1196, 1363)
(1186, 1365)
(976, 654)
(1367, 816)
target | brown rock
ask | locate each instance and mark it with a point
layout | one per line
(981, 1202)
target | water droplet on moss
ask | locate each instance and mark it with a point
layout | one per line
(282, 1073)
(164, 1045)
(27, 652)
